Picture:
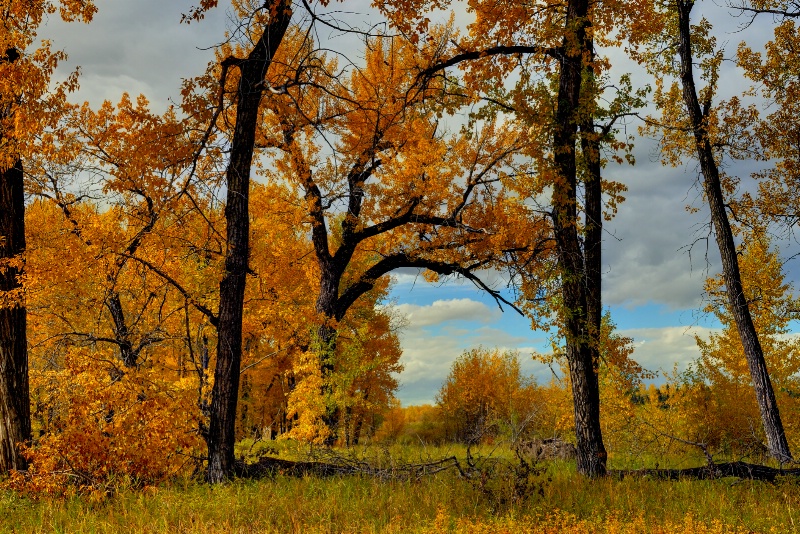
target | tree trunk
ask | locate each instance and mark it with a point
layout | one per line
(224, 395)
(765, 396)
(330, 278)
(581, 355)
(122, 334)
(15, 414)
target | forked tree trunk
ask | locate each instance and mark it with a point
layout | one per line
(765, 396)
(581, 350)
(224, 395)
(15, 414)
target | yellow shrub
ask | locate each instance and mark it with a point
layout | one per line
(100, 428)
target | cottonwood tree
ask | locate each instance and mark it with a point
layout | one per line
(263, 27)
(552, 50)
(711, 133)
(27, 105)
(723, 366)
(399, 191)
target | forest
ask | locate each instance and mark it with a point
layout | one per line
(197, 329)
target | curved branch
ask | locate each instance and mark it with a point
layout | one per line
(199, 307)
(501, 50)
(396, 261)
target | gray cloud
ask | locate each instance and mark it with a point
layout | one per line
(136, 47)
(655, 251)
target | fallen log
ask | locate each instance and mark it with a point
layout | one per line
(338, 466)
(711, 471)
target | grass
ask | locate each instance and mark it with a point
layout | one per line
(560, 501)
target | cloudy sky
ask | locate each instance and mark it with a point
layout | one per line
(656, 255)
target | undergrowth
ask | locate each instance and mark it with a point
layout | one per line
(556, 500)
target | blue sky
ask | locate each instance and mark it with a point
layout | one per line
(656, 253)
(445, 320)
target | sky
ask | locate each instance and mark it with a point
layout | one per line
(657, 254)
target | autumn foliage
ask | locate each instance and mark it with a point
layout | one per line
(452, 151)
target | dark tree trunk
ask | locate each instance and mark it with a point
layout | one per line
(330, 279)
(15, 409)
(581, 350)
(358, 426)
(15, 415)
(122, 334)
(765, 396)
(224, 395)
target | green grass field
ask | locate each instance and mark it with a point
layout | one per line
(555, 499)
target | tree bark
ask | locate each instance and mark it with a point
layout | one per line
(15, 415)
(765, 396)
(224, 395)
(573, 268)
(15, 409)
(330, 279)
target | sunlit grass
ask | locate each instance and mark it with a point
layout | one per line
(440, 503)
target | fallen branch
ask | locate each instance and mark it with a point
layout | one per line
(711, 472)
(340, 465)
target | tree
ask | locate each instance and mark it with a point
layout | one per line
(723, 364)
(269, 24)
(579, 270)
(412, 194)
(709, 128)
(484, 392)
(554, 42)
(26, 107)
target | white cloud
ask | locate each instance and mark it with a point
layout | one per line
(659, 349)
(436, 338)
(441, 311)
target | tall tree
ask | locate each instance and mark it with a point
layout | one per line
(578, 268)
(413, 195)
(269, 24)
(27, 105)
(709, 131)
(555, 42)
(737, 300)
(15, 419)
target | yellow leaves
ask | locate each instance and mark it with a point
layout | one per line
(770, 301)
(307, 404)
(484, 393)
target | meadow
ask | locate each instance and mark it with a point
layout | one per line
(552, 498)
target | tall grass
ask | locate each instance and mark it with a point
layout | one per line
(560, 501)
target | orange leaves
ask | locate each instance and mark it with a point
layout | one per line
(144, 152)
(198, 12)
(28, 101)
(100, 431)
